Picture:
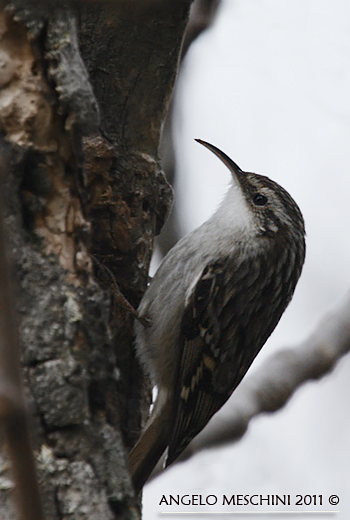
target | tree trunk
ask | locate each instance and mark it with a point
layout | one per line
(80, 131)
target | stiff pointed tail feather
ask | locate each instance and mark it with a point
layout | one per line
(150, 447)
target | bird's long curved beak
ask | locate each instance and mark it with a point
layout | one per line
(232, 166)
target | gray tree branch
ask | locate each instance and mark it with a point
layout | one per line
(202, 16)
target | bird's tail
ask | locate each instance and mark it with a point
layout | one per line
(151, 445)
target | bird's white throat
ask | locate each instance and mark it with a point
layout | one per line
(234, 211)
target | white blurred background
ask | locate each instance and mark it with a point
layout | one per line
(269, 84)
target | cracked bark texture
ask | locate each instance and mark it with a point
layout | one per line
(84, 91)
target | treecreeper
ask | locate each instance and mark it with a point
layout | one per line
(215, 299)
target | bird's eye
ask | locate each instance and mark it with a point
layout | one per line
(260, 200)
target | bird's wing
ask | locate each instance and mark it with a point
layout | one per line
(214, 354)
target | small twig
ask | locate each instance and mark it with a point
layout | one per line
(202, 16)
(106, 277)
(12, 407)
(275, 382)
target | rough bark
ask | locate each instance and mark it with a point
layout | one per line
(81, 180)
(13, 413)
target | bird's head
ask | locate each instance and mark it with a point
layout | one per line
(260, 203)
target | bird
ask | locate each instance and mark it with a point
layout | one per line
(212, 304)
